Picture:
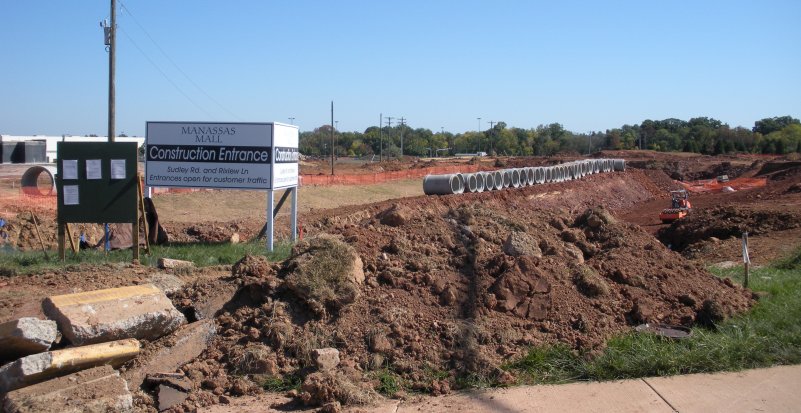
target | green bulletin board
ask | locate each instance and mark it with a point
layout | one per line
(96, 182)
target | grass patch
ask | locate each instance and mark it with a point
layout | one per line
(282, 384)
(769, 334)
(203, 255)
(389, 384)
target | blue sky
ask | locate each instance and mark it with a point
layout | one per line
(586, 65)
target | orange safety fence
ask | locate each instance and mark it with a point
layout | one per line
(381, 177)
(712, 185)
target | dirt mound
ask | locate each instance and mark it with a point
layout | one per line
(441, 299)
(210, 232)
(725, 222)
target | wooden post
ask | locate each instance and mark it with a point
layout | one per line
(38, 234)
(62, 254)
(72, 241)
(135, 239)
(140, 192)
(746, 259)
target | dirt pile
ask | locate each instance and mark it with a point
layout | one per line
(725, 222)
(443, 298)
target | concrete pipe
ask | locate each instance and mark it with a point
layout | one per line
(462, 180)
(480, 181)
(515, 178)
(507, 178)
(619, 164)
(489, 183)
(442, 184)
(596, 166)
(546, 173)
(539, 175)
(605, 165)
(531, 180)
(471, 183)
(585, 168)
(498, 178)
(32, 185)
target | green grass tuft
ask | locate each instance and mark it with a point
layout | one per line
(769, 334)
(203, 255)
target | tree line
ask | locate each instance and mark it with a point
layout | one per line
(777, 135)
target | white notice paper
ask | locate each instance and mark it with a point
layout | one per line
(118, 169)
(93, 169)
(71, 195)
(69, 167)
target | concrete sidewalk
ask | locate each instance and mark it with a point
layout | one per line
(776, 389)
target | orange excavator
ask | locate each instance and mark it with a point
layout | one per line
(679, 206)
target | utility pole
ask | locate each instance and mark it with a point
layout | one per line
(389, 125)
(381, 136)
(442, 132)
(402, 120)
(111, 42)
(332, 137)
(589, 139)
(491, 133)
(479, 131)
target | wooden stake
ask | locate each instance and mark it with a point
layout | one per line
(141, 193)
(72, 241)
(38, 234)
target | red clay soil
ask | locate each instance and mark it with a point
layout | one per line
(444, 298)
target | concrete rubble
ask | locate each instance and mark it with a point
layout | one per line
(178, 349)
(44, 366)
(141, 312)
(100, 389)
(26, 336)
(326, 358)
(169, 263)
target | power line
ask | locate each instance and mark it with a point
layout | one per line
(164, 74)
(176, 65)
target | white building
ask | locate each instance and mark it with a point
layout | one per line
(50, 141)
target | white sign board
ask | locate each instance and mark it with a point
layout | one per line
(221, 155)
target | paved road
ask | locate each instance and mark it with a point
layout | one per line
(776, 389)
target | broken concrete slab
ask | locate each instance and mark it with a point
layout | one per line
(140, 311)
(44, 366)
(171, 352)
(169, 263)
(326, 358)
(166, 282)
(170, 397)
(177, 380)
(26, 336)
(100, 389)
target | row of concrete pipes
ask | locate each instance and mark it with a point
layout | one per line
(517, 177)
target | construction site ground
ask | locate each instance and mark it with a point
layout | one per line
(441, 293)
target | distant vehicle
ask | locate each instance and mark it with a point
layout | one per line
(470, 155)
(723, 178)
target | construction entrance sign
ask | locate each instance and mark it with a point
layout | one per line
(261, 156)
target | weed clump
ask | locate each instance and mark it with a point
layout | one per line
(325, 273)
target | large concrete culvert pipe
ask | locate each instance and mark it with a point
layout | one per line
(471, 183)
(539, 175)
(585, 168)
(480, 181)
(39, 180)
(489, 180)
(619, 164)
(596, 166)
(497, 176)
(530, 180)
(442, 184)
(515, 178)
(507, 178)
